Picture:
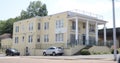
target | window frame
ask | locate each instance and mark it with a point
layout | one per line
(16, 40)
(39, 26)
(38, 38)
(59, 23)
(17, 29)
(31, 26)
(59, 37)
(30, 38)
(46, 25)
(46, 38)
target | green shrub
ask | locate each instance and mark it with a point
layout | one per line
(84, 52)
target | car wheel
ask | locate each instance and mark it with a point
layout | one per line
(44, 53)
(61, 54)
(54, 54)
(6, 54)
(12, 54)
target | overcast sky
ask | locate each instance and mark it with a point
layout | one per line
(12, 8)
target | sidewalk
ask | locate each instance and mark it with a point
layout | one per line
(87, 57)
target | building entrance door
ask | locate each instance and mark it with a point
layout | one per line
(27, 52)
(84, 39)
(72, 38)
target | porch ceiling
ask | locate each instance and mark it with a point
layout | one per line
(91, 19)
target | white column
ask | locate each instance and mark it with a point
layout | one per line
(76, 29)
(96, 32)
(105, 34)
(87, 32)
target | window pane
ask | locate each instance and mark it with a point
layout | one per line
(38, 26)
(23, 39)
(38, 38)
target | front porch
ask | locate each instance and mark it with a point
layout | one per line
(83, 30)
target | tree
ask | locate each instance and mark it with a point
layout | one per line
(2, 23)
(36, 8)
(8, 26)
(24, 15)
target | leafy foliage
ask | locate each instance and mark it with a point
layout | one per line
(85, 52)
(36, 8)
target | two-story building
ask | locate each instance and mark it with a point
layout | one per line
(66, 29)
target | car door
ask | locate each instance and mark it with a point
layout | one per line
(50, 50)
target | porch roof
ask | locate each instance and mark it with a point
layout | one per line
(84, 19)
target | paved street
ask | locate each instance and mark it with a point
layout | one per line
(58, 59)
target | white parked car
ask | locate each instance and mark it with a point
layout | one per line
(53, 51)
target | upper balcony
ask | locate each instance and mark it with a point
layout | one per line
(79, 13)
(85, 16)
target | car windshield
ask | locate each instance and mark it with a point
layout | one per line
(14, 50)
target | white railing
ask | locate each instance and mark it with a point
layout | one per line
(87, 13)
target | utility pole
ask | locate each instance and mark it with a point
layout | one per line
(114, 31)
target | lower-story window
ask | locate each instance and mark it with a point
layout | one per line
(16, 39)
(46, 38)
(59, 37)
(30, 38)
(38, 38)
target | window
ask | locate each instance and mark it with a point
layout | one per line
(92, 39)
(51, 48)
(46, 25)
(23, 39)
(46, 38)
(38, 38)
(38, 26)
(73, 25)
(22, 27)
(59, 37)
(92, 28)
(84, 25)
(16, 39)
(30, 26)
(30, 38)
(17, 29)
(59, 24)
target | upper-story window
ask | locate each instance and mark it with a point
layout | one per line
(23, 28)
(46, 38)
(59, 24)
(17, 29)
(30, 38)
(92, 28)
(30, 26)
(38, 26)
(73, 25)
(84, 25)
(16, 39)
(46, 25)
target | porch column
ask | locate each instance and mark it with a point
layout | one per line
(96, 32)
(87, 32)
(76, 30)
(104, 34)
